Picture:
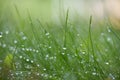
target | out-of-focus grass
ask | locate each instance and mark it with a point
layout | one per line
(32, 50)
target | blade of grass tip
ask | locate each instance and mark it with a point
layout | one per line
(66, 24)
(98, 68)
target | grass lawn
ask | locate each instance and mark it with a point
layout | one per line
(72, 50)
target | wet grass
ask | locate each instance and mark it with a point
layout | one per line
(32, 50)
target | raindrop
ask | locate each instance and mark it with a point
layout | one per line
(15, 41)
(50, 76)
(111, 76)
(47, 56)
(23, 49)
(78, 34)
(108, 39)
(16, 73)
(7, 32)
(20, 57)
(107, 63)
(30, 49)
(49, 47)
(47, 34)
(32, 61)
(24, 37)
(94, 73)
(63, 53)
(38, 74)
(37, 51)
(27, 49)
(1, 34)
(27, 60)
(83, 52)
(34, 50)
(102, 34)
(64, 48)
(38, 65)
(51, 57)
(44, 69)
(28, 66)
(109, 30)
(1, 61)
(29, 73)
(4, 45)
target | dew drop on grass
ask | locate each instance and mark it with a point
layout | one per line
(20, 57)
(49, 47)
(27, 60)
(107, 63)
(44, 69)
(37, 51)
(47, 34)
(109, 39)
(63, 53)
(38, 65)
(23, 49)
(38, 74)
(15, 41)
(1, 34)
(24, 37)
(4, 45)
(94, 73)
(32, 61)
(64, 48)
(109, 30)
(34, 50)
(7, 32)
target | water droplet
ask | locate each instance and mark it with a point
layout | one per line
(30, 49)
(27, 60)
(63, 53)
(32, 61)
(51, 57)
(4, 45)
(23, 49)
(47, 56)
(37, 51)
(109, 39)
(1, 34)
(27, 49)
(78, 34)
(34, 50)
(109, 30)
(107, 63)
(94, 73)
(24, 37)
(83, 52)
(47, 34)
(111, 76)
(44, 69)
(16, 73)
(1, 61)
(102, 34)
(20, 57)
(38, 74)
(15, 41)
(7, 32)
(38, 65)
(64, 48)
(49, 47)
(29, 73)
